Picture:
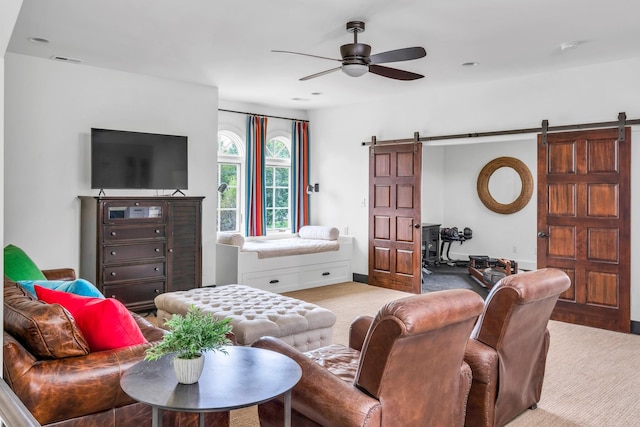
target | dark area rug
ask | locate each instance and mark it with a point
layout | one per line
(444, 276)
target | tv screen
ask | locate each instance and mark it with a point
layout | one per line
(136, 160)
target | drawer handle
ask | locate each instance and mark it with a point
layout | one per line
(156, 269)
(157, 291)
(157, 249)
(113, 233)
(170, 250)
(326, 273)
(113, 252)
(157, 231)
(113, 273)
(274, 281)
(113, 296)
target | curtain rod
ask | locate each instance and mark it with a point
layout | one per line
(544, 128)
(263, 115)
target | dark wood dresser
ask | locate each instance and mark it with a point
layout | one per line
(134, 248)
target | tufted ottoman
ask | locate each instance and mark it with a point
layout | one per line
(256, 313)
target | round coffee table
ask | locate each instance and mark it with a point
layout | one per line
(244, 377)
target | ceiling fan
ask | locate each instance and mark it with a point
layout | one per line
(357, 59)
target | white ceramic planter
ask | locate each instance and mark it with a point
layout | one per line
(188, 371)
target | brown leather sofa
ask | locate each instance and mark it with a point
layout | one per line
(59, 381)
(402, 368)
(508, 348)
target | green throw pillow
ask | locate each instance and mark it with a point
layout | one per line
(18, 265)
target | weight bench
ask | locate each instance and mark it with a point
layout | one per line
(488, 271)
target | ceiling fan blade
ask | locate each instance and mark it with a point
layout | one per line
(322, 73)
(306, 54)
(405, 54)
(394, 73)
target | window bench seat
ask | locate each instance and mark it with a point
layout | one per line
(285, 264)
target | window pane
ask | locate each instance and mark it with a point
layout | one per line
(282, 177)
(277, 149)
(269, 218)
(269, 198)
(228, 174)
(282, 218)
(282, 198)
(269, 176)
(227, 146)
(228, 220)
(228, 198)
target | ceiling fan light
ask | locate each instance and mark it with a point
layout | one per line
(355, 70)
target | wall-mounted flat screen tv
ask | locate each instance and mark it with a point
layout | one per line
(136, 160)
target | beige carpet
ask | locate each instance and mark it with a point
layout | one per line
(592, 377)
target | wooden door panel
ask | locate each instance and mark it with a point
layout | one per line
(404, 230)
(569, 294)
(382, 259)
(562, 199)
(382, 197)
(584, 224)
(602, 245)
(602, 156)
(405, 196)
(382, 228)
(404, 262)
(602, 200)
(602, 288)
(394, 212)
(562, 242)
(561, 158)
(406, 165)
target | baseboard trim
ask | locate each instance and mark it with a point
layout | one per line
(361, 278)
(635, 327)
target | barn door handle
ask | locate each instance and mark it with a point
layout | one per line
(543, 234)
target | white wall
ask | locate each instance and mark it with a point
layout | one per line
(581, 95)
(275, 126)
(508, 236)
(50, 108)
(8, 15)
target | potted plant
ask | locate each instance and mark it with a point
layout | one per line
(189, 336)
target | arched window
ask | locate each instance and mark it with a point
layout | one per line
(278, 183)
(230, 166)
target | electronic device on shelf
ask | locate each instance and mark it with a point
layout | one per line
(136, 160)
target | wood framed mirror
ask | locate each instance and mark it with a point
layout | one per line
(526, 185)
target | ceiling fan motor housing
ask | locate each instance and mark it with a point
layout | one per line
(355, 53)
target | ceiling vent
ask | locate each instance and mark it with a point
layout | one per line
(65, 59)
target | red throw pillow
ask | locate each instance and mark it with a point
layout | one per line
(105, 322)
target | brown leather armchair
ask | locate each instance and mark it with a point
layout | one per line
(402, 368)
(67, 388)
(508, 348)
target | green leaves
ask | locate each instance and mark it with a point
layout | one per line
(192, 334)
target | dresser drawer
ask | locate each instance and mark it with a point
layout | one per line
(138, 293)
(318, 275)
(136, 271)
(113, 233)
(134, 211)
(275, 281)
(114, 253)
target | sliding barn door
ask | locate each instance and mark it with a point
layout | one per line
(394, 217)
(584, 224)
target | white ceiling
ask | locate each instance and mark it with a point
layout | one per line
(228, 43)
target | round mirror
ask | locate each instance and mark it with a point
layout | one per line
(505, 185)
